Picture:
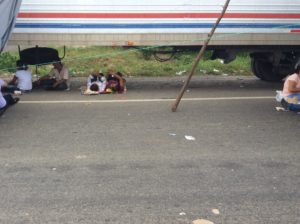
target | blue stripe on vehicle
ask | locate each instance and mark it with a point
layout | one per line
(153, 25)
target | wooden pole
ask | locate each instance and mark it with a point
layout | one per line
(199, 56)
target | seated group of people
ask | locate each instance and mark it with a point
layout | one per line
(57, 79)
(100, 84)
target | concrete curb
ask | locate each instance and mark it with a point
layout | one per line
(196, 82)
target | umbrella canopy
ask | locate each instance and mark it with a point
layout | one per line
(39, 55)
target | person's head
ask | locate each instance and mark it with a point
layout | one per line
(57, 65)
(120, 74)
(21, 65)
(94, 87)
(297, 70)
(95, 73)
(102, 77)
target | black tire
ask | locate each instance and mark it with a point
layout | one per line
(264, 71)
(163, 54)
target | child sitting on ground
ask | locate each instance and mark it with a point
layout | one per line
(96, 82)
(115, 83)
(291, 91)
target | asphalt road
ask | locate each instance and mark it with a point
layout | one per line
(68, 158)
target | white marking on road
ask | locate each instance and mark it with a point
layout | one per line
(202, 221)
(143, 100)
(81, 157)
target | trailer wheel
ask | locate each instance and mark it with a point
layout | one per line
(264, 70)
(163, 54)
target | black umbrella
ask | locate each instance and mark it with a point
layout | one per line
(40, 55)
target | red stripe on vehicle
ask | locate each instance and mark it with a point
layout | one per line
(295, 31)
(67, 15)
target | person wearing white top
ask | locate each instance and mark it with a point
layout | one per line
(6, 100)
(96, 82)
(2, 99)
(22, 80)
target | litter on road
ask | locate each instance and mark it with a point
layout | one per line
(202, 221)
(190, 138)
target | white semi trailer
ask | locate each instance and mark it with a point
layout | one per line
(269, 30)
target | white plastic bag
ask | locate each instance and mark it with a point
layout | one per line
(279, 96)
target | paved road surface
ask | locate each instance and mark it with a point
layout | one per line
(125, 158)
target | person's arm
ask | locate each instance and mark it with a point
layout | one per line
(51, 75)
(3, 83)
(121, 80)
(89, 81)
(13, 81)
(45, 77)
(59, 82)
(292, 87)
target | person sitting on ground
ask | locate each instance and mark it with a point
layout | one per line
(58, 78)
(291, 90)
(6, 100)
(22, 80)
(96, 82)
(115, 83)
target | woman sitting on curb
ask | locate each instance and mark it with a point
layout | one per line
(291, 91)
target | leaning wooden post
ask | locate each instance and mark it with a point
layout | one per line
(199, 56)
